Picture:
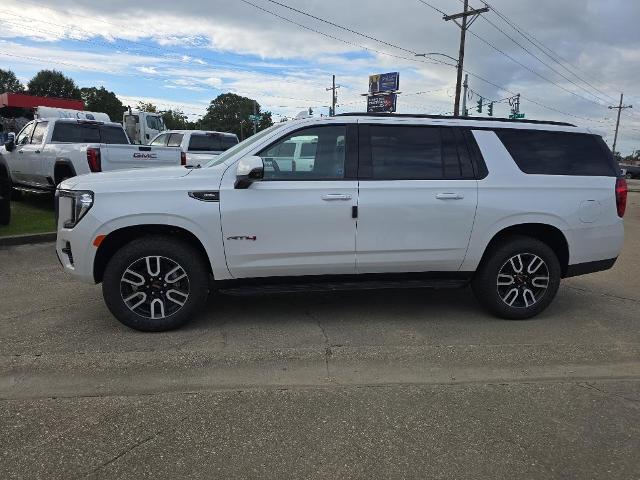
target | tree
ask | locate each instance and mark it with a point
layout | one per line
(175, 120)
(230, 113)
(102, 100)
(147, 107)
(51, 83)
(9, 82)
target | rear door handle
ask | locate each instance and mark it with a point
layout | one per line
(449, 196)
(328, 197)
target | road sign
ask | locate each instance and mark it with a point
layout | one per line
(382, 103)
(516, 115)
(255, 118)
(384, 82)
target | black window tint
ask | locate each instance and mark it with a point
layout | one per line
(205, 143)
(175, 139)
(113, 135)
(228, 141)
(556, 153)
(75, 133)
(283, 162)
(39, 132)
(450, 162)
(464, 155)
(406, 153)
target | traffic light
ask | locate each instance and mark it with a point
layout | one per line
(491, 109)
(480, 105)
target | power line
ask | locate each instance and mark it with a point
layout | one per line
(540, 60)
(544, 49)
(347, 42)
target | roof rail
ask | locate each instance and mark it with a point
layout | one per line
(450, 117)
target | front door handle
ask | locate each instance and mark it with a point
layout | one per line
(449, 196)
(329, 197)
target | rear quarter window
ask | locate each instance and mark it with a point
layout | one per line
(558, 153)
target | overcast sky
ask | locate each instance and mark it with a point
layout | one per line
(183, 54)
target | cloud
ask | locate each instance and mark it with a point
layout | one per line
(208, 47)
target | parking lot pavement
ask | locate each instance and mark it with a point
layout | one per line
(373, 384)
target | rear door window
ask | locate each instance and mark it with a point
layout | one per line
(160, 140)
(558, 153)
(175, 139)
(406, 152)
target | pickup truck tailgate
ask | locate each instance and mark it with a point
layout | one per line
(118, 157)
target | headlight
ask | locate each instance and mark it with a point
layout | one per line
(81, 202)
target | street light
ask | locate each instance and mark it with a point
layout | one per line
(441, 54)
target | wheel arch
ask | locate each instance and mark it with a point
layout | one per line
(544, 232)
(62, 165)
(120, 237)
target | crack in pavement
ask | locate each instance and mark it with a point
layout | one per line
(134, 446)
(327, 349)
(590, 386)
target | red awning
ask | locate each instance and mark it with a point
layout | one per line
(20, 100)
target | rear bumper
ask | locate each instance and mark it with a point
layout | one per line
(589, 267)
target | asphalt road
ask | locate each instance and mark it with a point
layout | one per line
(375, 384)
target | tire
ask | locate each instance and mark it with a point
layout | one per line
(161, 308)
(525, 297)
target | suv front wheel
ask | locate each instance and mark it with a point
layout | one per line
(518, 279)
(155, 283)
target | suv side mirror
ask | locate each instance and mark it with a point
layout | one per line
(10, 144)
(250, 169)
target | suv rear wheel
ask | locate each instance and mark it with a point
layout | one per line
(519, 278)
(155, 283)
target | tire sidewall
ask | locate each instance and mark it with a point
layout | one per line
(180, 252)
(485, 282)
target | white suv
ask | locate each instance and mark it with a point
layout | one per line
(388, 200)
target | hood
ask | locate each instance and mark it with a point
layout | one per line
(135, 176)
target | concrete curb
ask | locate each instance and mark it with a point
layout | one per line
(27, 239)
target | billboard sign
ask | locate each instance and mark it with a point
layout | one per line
(384, 82)
(382, 103)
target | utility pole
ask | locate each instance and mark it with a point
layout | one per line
(464, 26)
(464, 96)
(255, 121)
(334, 96)
(619, 108)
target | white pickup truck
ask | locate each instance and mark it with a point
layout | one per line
(47, 151)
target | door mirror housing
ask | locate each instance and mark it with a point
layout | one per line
(250, 169)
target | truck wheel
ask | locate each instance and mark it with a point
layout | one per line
(155, 283)
(519, 278)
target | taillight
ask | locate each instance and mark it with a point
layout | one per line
(93, 159)
(183, 158)
(621, 196)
